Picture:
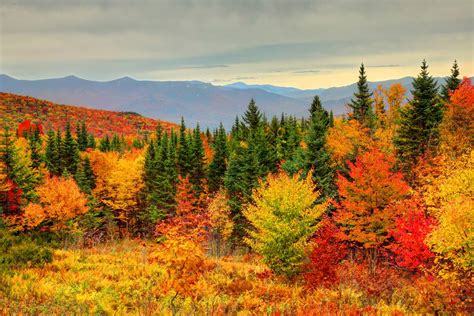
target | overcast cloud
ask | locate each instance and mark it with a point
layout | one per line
(300, 43)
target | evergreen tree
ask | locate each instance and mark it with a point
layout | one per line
(91, 141)
(315, 107)
(35, 145)
(104, 144)
(71, 152)
(184, 151)
(240, 179)
(316, 156)
(451, 83)
(89, 173)
(419, 120)
(218, 165)
(82, 137)
(198, 168)
(361, 104)
(52, 154)
(81, 179)
(235, 132)
(252, 118)
(61, 163)
(18, 168)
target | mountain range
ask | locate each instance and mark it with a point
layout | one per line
(197, 101)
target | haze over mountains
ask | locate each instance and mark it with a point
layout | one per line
(195, 100)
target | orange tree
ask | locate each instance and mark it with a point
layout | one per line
(366, 194)
(60, 201)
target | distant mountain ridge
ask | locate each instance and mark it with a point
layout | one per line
(197, 101)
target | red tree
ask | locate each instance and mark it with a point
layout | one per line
(325, 257)
(411, 229)
(26, 127)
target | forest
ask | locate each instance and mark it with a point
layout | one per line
(363, 214)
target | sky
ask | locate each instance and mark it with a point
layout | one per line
(304, 44)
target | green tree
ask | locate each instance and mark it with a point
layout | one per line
(419, 120)
(316, 156)
(361, 104)
(52, 156)
(198, 167)
(451, 83)
(71, 152)
(184, 151)
(19, 169)
(283, 217)
(218, 165)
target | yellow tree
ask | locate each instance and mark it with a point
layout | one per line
(379, 105)
(60, 200)
(457, 127)
(345, 140)
(219, 220)
(283, 216)
(451, 200)
(394, 96)
(123, 185)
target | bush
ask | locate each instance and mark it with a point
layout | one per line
(20, 251)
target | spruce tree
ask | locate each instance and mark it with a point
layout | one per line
(91, 141)
(218, 165)
(198, 168)
(315, 107)
(316, 156)
(82, 137)
(35, 145)
(184, 151)
(81, 179)
(252, 118)
(419, 120)
(52, 154)
(71, 152)
(18, 168)
(89, 173)
(451, 83)
(240, 179)
(361, 104)
(104, 144)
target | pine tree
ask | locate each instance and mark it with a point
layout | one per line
(89, 173)
(60, 153)
(361, 104)
(316, 156)
(315, 107)
(104, 144)
(236, 130)
(81, 180)
(52, 154)
(91, 141)
(71, 152)
(82, 137)
(240, 179)
(198, 168)
(35, 145)
(451, 83)
(419, 120)
(218, 165)
(18, 168)
(184, 153)
(252, 117)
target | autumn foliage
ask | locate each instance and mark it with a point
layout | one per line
(367, 194)
(59, 201)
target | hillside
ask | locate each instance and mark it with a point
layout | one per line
(167, 100)
(16, 108)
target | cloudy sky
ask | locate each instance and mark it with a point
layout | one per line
(307, 44)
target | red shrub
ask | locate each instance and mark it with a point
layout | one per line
(325, 256)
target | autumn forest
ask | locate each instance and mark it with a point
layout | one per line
(367, 213)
